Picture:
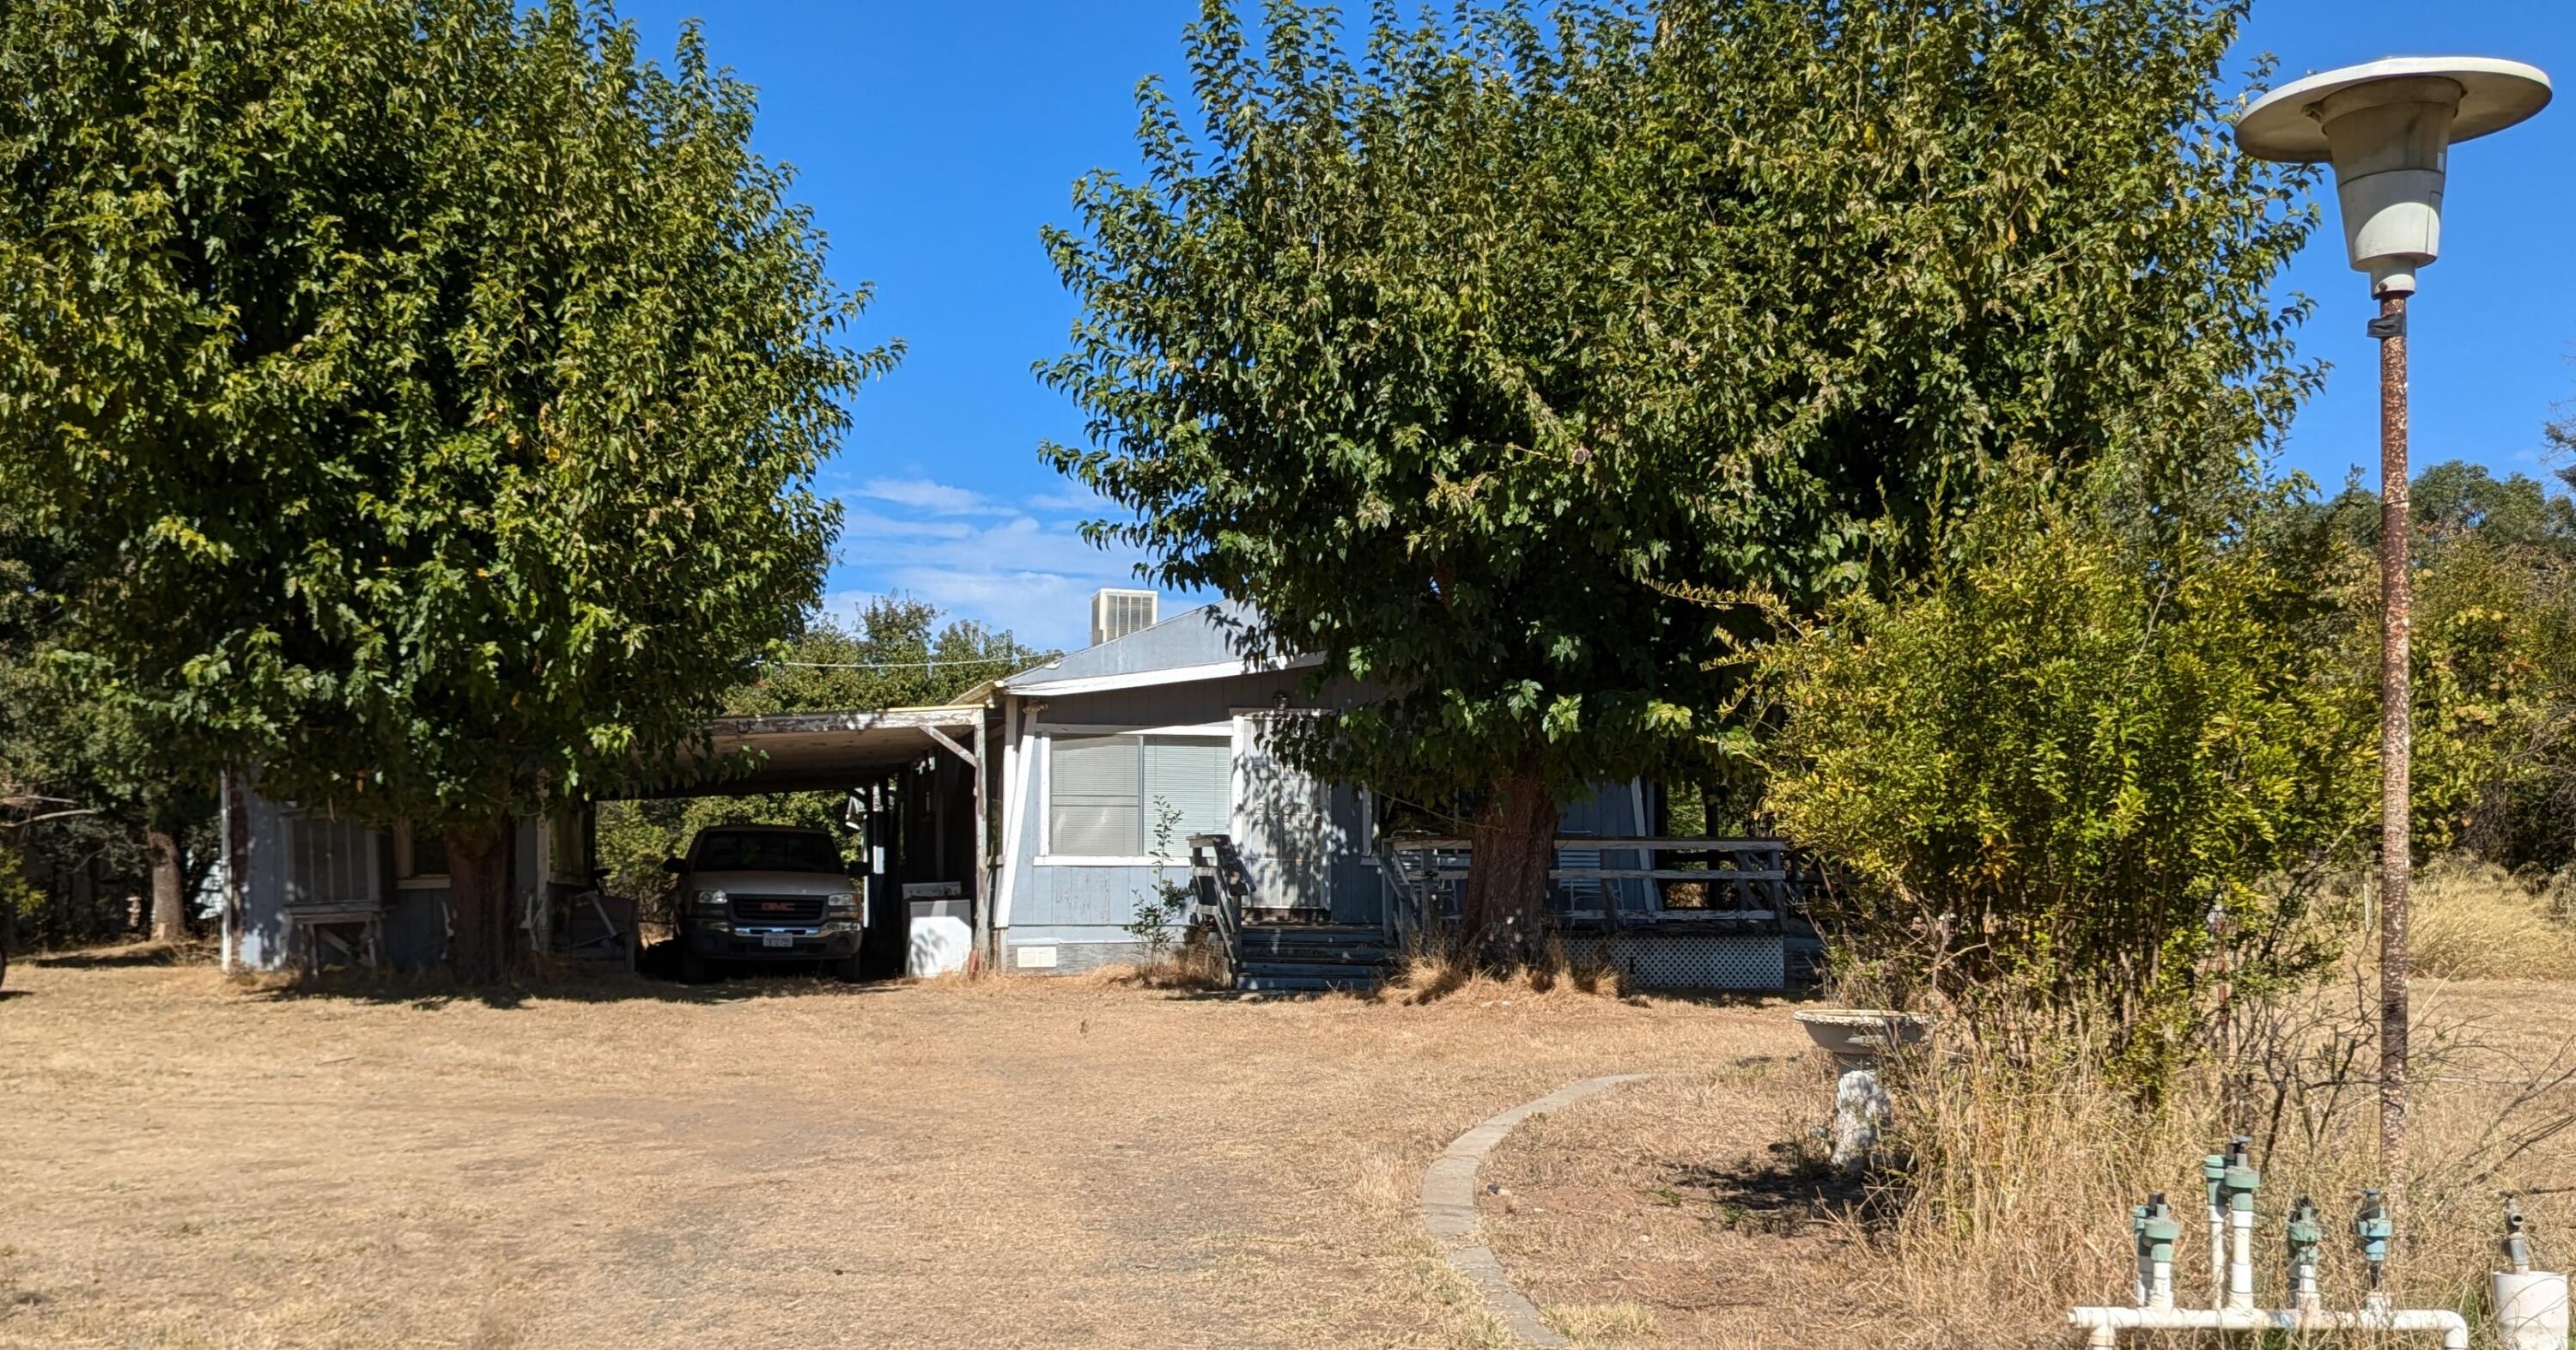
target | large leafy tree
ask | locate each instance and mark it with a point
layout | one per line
(1463, 358)
(425, 391)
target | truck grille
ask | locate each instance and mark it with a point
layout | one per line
(777, 911)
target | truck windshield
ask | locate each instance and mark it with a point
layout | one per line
(766, 851)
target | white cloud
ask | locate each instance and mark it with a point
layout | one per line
(1032, 577)
(1075, 498)
(926, 494)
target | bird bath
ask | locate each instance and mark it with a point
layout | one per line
(1858, 1038)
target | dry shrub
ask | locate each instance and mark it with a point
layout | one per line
(2472, 920)
(2014, 1173)
(1438, 962)
(1194, 964)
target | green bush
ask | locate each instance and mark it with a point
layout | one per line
(2081, 771)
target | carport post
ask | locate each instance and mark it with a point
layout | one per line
(983, 859)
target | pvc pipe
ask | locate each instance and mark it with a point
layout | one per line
(2306, 1298)
(2217, 1255)
(2531, 1310)
(2160, 1289)
(2102, 1324)
(2240, 1260)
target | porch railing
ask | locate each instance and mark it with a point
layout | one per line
(1742, 884)
(1221, 885)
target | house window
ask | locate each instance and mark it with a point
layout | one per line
(1108, 795)
(567, 847)
(419, 854)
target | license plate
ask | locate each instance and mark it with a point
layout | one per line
(776, 940)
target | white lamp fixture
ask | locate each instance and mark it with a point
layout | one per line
(2387, 128)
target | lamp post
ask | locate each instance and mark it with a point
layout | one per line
(2387, 127)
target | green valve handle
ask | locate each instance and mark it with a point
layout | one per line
(2239, 1177)
(2306, 1235)
(2159, 1233)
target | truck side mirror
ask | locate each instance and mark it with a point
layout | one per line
(675, 866)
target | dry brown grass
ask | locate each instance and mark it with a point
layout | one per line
(1700, 1199)
(1436, 964)
(2474, 921)
(996, 1163)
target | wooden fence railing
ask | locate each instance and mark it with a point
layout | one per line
(1736, 883)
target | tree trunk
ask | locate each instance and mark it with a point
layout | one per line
(478, 898)
(1505, 907)
(169, 898)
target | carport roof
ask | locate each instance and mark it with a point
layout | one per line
(798, 752)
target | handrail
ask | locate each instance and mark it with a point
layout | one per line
(1406, 906)
(1216, 878)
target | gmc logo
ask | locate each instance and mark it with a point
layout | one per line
(775, 907)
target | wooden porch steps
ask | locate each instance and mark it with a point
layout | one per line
(1310, 958)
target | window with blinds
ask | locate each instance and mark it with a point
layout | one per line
(1107, 795)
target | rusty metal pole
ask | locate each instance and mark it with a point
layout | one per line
(2396, 746)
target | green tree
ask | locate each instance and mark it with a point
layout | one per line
(427, 391)
(2495, 660)
(2074, 773)
(1458, 358)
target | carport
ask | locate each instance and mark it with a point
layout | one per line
(918, 781)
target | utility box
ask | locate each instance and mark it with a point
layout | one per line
(940, 934)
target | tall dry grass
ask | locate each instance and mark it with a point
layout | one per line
(2013, 1175)
(2473, 920)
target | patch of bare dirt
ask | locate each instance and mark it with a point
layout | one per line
(1000, 1163)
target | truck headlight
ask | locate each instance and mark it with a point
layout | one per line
(844, 906)
(709, 899)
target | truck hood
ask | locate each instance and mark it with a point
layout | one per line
(771, 883)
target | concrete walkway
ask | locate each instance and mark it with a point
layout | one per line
(1449, 1207)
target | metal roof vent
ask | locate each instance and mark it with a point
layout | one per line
(1116, 613)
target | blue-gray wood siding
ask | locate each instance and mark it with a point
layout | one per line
(415, 917)
(1058, 903)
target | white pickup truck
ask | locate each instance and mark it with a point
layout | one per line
(762, 893)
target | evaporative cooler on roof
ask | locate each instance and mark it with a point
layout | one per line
(1115, 614)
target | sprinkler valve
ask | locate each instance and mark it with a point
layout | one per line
(2305, 1234)
(2372, 1227)
(2517, 1242)
(2213, 1170)
(2158, 1232)
(2239, 1177)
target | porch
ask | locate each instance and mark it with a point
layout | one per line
(1667, 913)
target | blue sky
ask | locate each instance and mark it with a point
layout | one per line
(931, 151)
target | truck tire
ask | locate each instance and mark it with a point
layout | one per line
(693, 969)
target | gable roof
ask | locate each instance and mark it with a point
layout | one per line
(1195, 644)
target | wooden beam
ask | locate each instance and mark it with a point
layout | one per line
(984, 948)
(961, 751)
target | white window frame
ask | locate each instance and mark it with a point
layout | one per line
(1044, 743)
(405, 879)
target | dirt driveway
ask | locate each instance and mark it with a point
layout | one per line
(1015, 1163)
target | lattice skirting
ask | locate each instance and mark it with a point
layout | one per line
(1694, 961)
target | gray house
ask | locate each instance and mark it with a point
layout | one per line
(1114, 756)
(1055, 804)
(305, 886)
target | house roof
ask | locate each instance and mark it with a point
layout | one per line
(798, 752)
(1196, 644)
